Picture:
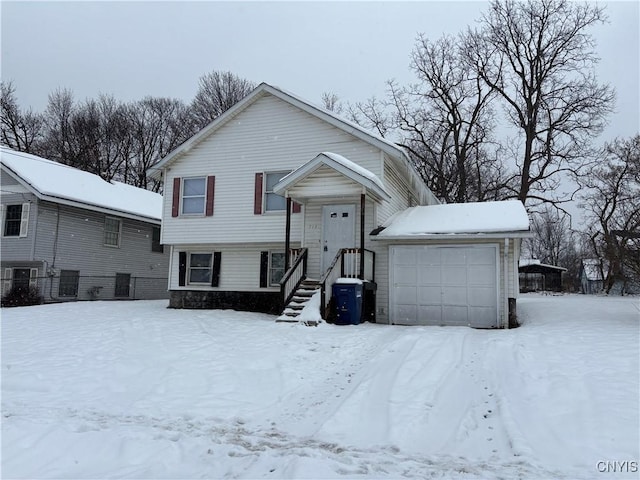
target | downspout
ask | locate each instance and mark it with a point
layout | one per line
(505, 318)
(362, 211)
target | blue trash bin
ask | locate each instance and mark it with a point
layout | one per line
(348, 302)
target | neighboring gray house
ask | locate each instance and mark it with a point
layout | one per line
(277, 197)
(74, 236)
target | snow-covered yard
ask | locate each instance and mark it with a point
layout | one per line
(135, 390)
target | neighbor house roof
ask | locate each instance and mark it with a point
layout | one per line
(55, 182)
(532, 265)
(352, 170)
(394, 151)
(489, 219)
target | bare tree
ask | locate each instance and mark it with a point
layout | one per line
(612, 203)
(539, 59)
(158, 125)
(20, 130)
(217, 93)
(332, 102)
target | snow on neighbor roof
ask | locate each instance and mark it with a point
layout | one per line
(56, 182)
(458, 218)
(535, 264)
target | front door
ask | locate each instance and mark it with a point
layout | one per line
(338, 231)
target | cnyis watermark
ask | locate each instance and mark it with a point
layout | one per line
(616, 466)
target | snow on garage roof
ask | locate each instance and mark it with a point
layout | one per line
(60, 183)
(458, 219)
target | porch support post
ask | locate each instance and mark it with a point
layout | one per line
(287, 237)
(362, 200)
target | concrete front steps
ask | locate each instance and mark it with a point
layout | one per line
(300, 298)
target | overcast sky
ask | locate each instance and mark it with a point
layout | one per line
(134, 49)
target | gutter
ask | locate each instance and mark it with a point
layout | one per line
(452, 236)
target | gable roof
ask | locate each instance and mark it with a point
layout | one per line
(340, 164)
(55, 182)
(489, 219)
(394, 151)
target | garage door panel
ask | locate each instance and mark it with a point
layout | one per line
(454, 274)
(430, 314)
(455, 315)
(479, 274)
(454, 285)
(406, 315)
(481, 296)
(454, 295)
(453, 256)
(482, 317)
(428, 294)
(406, 294)
(429, 275)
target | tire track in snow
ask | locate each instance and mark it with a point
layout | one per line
(233, 450)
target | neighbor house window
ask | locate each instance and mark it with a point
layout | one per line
(193, 195)
(112, 228)
(272, 201)
(16, 220)
(156, 246)
(200, 266)
(276, 268)
(68, 286)
(123, 280)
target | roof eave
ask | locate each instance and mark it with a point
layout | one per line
(454, 236)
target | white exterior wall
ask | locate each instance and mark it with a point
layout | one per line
(269, 135)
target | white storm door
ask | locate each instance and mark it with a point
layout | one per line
(338, 231)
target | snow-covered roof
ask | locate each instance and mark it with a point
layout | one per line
(352, 170)
(60, 183)
(534, 262)
(506, 217)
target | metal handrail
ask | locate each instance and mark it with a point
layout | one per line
(294, 276)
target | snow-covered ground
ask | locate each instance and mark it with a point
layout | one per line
(135, 390)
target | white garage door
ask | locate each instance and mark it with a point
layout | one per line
(444, 285)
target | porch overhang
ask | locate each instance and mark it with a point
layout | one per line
(330, 175)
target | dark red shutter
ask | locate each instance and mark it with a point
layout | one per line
(175, 206)
(264, 269)
(211, 186)
(296, 207)
(257, 198)
(182, 268)
(215, 274)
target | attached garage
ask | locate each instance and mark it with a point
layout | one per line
(455, 264)
(444, 285)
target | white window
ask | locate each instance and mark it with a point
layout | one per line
(193, 195)
(200, 267)
(16, 220)
(272, 201)
(276, 268)
(112, 229)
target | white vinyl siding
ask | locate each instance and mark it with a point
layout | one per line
(269, 136)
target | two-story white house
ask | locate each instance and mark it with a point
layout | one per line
(276, 191)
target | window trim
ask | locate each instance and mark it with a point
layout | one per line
(270, 268)
(188, 269)
(266, 192)
(22, 220)
(119, 233)
(183, 196)
(76, 274)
